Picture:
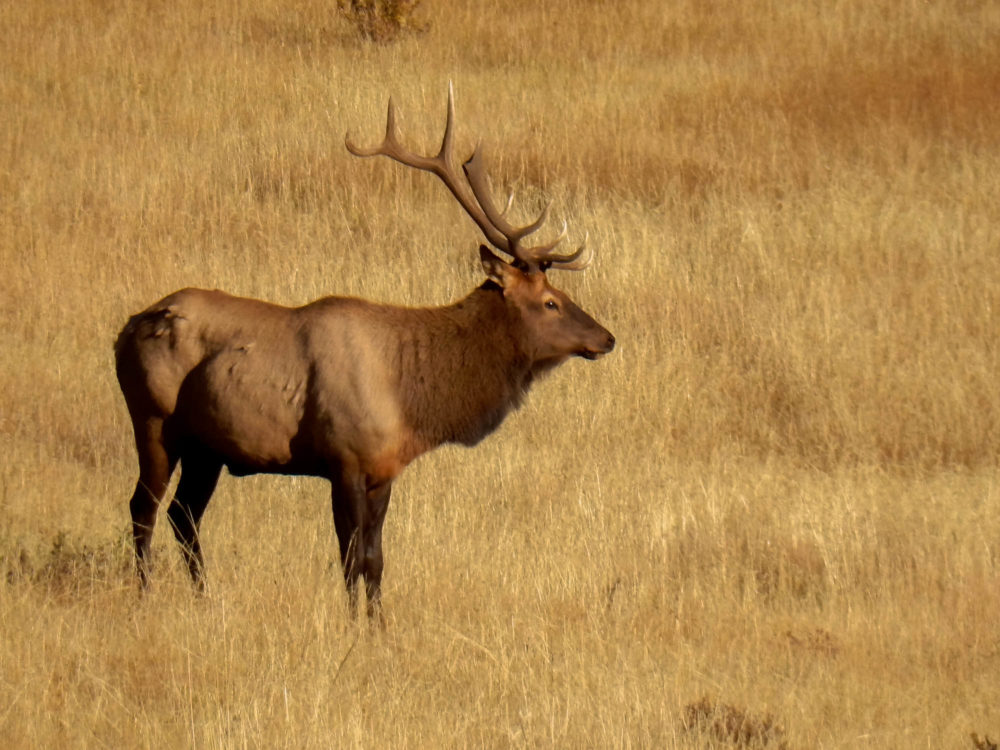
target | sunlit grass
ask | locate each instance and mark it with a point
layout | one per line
(775, 500)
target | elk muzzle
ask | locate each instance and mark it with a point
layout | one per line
(604, 343)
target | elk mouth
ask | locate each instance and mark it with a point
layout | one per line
(593, 354)
(596, 353)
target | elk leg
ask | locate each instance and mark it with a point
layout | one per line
(199, 475)
(348, 514)
(378, 503)
(155, 467)
(358, 513)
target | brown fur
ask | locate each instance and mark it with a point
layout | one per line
(341, 388)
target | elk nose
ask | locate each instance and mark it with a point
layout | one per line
(610, 343)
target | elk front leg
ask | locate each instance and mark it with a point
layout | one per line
(378, 502)
(358, 513)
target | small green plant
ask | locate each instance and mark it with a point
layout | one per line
(382, 21)
(732, 725)
(68, 565)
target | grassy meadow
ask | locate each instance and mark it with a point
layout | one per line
(768, 519)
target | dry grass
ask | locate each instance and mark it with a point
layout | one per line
(775, 506)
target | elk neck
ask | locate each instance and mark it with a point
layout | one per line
(462, 367)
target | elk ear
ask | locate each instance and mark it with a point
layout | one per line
(497, 269)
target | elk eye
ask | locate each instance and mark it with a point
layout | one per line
(551, 304)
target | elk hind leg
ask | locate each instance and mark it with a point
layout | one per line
(156, 464)
(199, 475)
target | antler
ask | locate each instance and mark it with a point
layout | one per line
(474, 196)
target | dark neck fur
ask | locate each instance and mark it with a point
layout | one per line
(461, 368)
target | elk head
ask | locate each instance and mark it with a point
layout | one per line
(553, 326)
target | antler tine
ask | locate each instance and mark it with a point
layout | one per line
(574, 261)
(476, 178)
(440, 165)
(388, 140)
(539, 256)
(446, 142)
(536, 224)
(391, 146)
(541, 251)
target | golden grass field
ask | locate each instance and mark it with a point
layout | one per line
(769, 518)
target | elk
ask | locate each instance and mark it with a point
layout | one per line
(342, 388)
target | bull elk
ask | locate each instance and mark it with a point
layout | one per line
(342, 388)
